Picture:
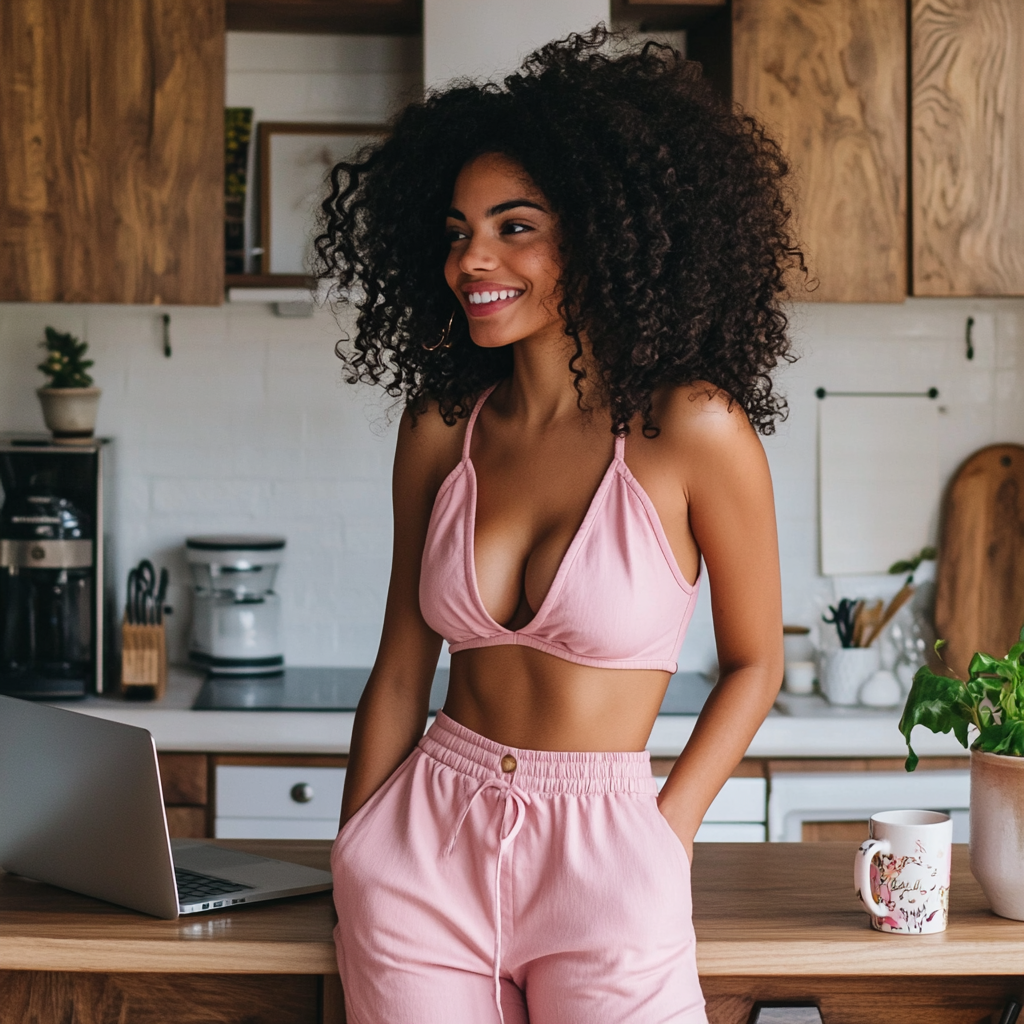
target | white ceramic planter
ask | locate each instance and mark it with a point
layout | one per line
(845, 671)
(997, 830)
(70, 413)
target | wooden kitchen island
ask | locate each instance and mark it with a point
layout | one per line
(775, 922)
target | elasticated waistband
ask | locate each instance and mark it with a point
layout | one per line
(537, 771)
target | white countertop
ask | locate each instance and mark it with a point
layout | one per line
(807, 728)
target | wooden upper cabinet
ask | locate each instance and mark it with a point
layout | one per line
(111, 151)
(828, 78)
(350, 17)
(967, 142)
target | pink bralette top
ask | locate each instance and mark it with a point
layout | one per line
(618, 599)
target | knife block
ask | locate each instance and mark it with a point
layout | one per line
(143, 661)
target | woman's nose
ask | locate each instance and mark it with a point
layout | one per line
(478, 255)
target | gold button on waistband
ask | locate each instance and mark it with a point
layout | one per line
(508, 763)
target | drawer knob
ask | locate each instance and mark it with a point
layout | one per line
(302, 792)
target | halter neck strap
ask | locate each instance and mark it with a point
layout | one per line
(472, 420)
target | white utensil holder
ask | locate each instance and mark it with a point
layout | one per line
(845, 671)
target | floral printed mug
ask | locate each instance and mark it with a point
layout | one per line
(901, 873)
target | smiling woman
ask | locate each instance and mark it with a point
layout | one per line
(574, 282)
(674, 216)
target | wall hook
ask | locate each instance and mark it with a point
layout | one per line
(167, 335)
(970, 341)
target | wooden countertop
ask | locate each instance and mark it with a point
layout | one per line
(760, 910)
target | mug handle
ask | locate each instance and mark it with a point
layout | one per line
(862, 874)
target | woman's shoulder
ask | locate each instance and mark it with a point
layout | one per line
(700, 411)
(428, 442)
(423, 427)
(704, 434)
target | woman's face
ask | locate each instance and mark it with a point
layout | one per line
(504, 263)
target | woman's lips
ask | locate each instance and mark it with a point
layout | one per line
(481, 303)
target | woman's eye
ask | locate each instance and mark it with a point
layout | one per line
(512, 228)
(454, 235)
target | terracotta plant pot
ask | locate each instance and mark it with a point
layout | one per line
(70, 413)
(997, 830)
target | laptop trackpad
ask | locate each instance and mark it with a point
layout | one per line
(235, 866)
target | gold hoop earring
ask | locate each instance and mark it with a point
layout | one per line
(445, 340)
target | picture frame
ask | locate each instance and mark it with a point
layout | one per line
(295, 161)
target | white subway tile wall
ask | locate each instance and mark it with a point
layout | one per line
(296, 77)
(249, 427)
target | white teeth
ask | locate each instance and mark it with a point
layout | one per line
(480, 298)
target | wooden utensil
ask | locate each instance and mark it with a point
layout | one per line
(979, 600)
(858, 623)
(905, 593)
(866, 617)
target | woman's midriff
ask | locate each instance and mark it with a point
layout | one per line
(528, 699)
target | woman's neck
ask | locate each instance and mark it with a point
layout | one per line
(543, 389)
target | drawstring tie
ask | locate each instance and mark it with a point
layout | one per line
(519, 799)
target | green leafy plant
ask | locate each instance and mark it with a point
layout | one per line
(64, 363)
(910, 564)
(992, 700)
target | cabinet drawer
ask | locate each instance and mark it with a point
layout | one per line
(249, 791)
(730, 832)
(740, 800)
(800, 797)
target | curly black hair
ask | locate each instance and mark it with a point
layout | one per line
(673, 215)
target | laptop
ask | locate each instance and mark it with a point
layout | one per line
(81, 808)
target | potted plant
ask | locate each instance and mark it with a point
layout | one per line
(69, 401)
(991, 702)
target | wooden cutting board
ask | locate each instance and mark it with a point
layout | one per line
(979, 600)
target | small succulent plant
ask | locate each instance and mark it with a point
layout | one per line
(64, 363)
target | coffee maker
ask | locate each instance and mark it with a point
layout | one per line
(53, 581)
(236, 616)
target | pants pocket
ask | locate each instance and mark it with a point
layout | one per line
(669, 838)
(355, 824)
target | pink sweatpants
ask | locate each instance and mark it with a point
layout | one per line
(483, 883)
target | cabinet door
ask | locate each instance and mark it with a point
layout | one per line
(828, 77)
(968, 146)
(111, 151)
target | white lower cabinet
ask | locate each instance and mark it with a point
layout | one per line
(730, 832)
(799, 797)
(257, 802)
(737, 815)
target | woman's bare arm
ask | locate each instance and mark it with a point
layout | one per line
(732, 517)
(393, 708)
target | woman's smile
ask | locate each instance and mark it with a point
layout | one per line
(486, 297)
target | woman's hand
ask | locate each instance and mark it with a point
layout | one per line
(682, 831)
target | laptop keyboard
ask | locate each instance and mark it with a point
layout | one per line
(193, 887)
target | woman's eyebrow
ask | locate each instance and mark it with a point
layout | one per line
(512, 204)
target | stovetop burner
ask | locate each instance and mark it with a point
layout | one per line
(339, 689)
(298, 689)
